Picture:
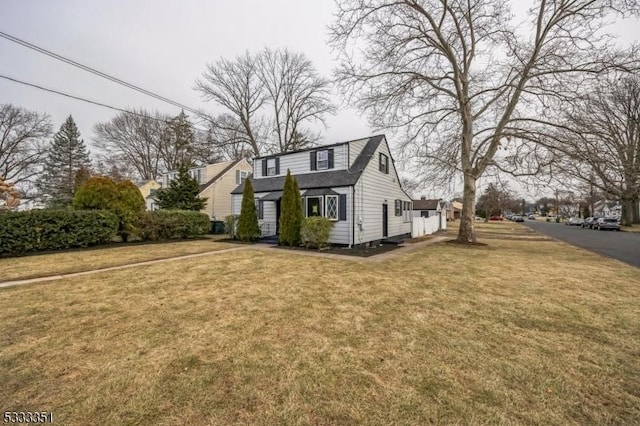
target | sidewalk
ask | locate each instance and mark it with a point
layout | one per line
(373, 259)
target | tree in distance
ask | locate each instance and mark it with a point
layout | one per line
(181, 194)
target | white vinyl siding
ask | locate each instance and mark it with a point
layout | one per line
(374, 189)
(299, 162)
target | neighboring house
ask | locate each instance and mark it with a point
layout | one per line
(430, 208)
(216, 183)
(604, 208)
(354, 184)
(148, 190)
(454, 210)
(427, 208)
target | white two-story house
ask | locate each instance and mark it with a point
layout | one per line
(354, 184)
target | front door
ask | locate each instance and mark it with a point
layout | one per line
(385, 220)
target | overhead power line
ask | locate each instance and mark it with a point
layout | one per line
(96, 72)
(78, 98)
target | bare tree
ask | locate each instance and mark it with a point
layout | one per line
(23, 141)
(600, 143)
(272, 95)
(296, 94)
(135, 138)
(459, 78)
(235, 85)
(225, 139)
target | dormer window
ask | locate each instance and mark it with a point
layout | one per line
(271, 167)
(322, 159)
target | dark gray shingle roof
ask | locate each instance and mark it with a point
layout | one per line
(328, 179)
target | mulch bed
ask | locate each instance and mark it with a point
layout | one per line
(354, 251)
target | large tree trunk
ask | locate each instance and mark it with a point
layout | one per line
(636, 212)
(626, 218)
(467, 231)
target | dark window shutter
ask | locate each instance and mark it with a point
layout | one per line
(380, 163)
(237, 177)
(331, 158)
(260, 209)
(277, 165)
(264, 167)
(342, 207)
(314, 165)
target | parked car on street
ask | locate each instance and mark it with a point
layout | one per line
(496, 218)
(517, 218)
(587, 222)
(532, 217)
(574, 221)
(605, 223)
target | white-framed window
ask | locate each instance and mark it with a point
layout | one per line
(322, 159)
(241, 175)
(271, 167)
(314, 206)
(196, 174)
(407, 211)
(331, 207)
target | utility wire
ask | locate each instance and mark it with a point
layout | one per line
(96, 72)
(78, 98)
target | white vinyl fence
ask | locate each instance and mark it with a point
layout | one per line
(426, 225)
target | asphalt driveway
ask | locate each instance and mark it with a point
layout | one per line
(624, 246)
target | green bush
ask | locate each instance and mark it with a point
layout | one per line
(315, 231)
(37, 230)
(169, 224)
(122, 198)
(231, 225)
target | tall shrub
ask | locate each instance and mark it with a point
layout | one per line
(248, 228)
(289, 225)
(124, 199)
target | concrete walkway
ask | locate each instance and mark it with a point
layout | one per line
(373, 259)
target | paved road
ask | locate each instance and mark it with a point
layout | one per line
(624, 246)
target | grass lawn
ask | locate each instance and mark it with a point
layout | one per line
(38, 265)
(524, 332)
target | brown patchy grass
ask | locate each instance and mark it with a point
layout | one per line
(515, 332)
(40, 265)
(634, 228)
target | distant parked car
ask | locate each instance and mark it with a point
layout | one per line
(605, 223)
(587, 222)
(518, 218)
(574, 221)
(496, 218)
(532, 217)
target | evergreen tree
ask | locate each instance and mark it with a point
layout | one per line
(290, 212)
(182, 193)
(299, 213)
(248, 228)
(178, 145)
(66, 156)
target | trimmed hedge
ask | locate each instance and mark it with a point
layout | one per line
(38, 230)
(168, 224)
